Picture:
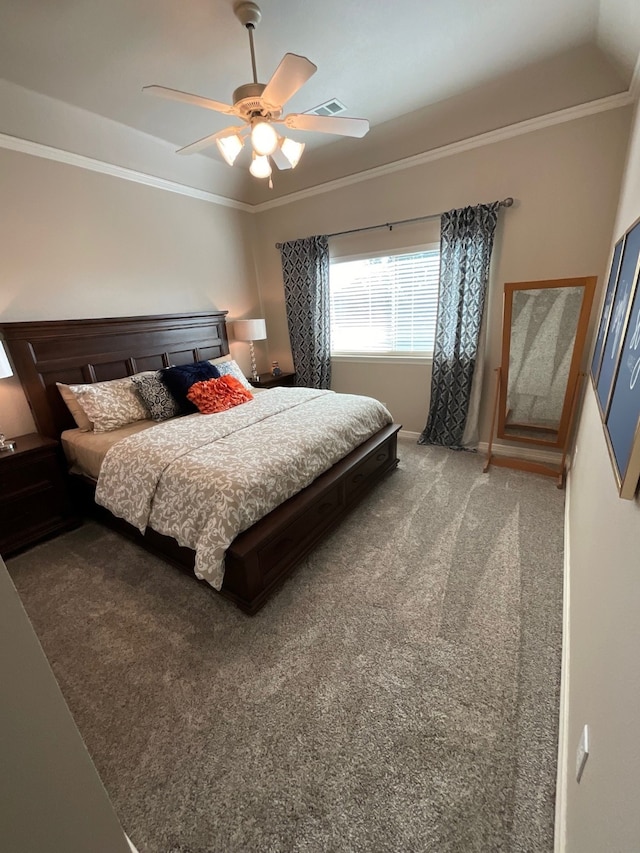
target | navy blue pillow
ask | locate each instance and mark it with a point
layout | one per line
(179, 379)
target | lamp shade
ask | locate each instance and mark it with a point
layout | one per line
(250, 330)
(230, 147)
(5, 367)
(260, 167)
(292, 150)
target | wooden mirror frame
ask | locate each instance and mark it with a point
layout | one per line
(561, 433)
(562, 436)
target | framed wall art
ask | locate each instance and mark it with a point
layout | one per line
(623, 420)
(617, 378)
(618, 315)
(610, 294)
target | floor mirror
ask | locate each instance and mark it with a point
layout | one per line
(537, 384)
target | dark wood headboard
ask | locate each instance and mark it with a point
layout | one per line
(77, 351)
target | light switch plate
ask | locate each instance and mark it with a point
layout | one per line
(582, 753)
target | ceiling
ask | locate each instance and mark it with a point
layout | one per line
(396, 62)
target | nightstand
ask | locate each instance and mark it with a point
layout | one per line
(34, 500)
(268, 380)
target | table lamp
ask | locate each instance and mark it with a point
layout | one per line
(250, 330)
(5, 372)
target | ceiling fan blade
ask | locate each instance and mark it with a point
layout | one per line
(292, 73)
(327, 124)
(280, 160)
(206, 141)
(187, 98)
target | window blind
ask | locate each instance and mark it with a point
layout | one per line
(385, 305)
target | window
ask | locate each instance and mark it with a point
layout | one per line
(385, 305)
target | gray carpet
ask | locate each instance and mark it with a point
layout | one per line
(399, 693)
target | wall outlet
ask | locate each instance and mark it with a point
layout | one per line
(582, 753)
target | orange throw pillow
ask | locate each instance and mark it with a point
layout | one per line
(217, 395)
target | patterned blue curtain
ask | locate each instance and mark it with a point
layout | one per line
(466, 241)
(305, 270)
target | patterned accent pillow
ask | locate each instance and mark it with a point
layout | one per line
(231, 368)
(156, 397)
(218, 395)
(110, 404)
(180, 378)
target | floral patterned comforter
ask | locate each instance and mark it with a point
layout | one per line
(203, 479)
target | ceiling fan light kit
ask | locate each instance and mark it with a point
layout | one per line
(292, 150)
(260, 106)
(263, 137)
(260, 166)
(229, 147)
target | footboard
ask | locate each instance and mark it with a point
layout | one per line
(260, 558)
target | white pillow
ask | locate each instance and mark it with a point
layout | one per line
(110, 404)
(231, 368)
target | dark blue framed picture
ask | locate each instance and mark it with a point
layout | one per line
(619, 315)
(612, 284)
(623, 420)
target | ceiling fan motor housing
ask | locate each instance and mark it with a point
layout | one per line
(248, 101)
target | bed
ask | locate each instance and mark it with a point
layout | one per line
(86, 351)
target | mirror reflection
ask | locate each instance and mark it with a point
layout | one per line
(544, 323)
(538, 380)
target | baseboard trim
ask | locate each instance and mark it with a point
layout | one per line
(407, 433)
(535, 454)
(562, 776)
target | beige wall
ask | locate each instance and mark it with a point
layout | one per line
(604, 631)
(565, 180)
(51, 796)
(76, 243)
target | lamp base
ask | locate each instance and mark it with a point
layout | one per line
(254, 371)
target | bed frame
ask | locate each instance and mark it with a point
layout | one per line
(76, 351)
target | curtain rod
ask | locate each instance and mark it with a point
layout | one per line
(507, 202)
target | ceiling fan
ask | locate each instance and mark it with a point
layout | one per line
(260, 107)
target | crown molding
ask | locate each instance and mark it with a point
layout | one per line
(37, 149)
(611, 102)
(47, 152)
